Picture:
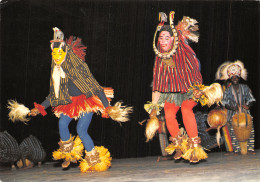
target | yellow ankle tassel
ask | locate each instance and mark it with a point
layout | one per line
(171, 148)
(75, 154)
(184, 145)
(103, 165)
(198, 151)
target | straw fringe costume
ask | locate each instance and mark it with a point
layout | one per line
(175, 72)
(75, 94)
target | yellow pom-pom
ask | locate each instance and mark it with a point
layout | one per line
(170, 149)
(198, 151)
(57, 155)
(103, 165)
(84, 167)
(74, 154)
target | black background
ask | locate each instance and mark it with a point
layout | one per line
(119, 36)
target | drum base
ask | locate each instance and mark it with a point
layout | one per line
(243, 146)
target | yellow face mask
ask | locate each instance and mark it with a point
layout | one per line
(58, 55)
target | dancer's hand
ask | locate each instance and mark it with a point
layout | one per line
(34, 112)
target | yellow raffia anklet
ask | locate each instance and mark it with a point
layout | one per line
(74, 155)
(101, 164)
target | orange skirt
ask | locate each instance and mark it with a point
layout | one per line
(79, 105)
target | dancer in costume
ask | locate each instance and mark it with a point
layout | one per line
(177, 84)
(237, 98)
(75, 94)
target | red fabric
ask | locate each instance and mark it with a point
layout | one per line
(182, 76)
(40, 108)
(77, 47)
(188, 117)
(105, 113)
(170, 110)
(80, 104)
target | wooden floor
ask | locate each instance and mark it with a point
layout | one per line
(218, 167)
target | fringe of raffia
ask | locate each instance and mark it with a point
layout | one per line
(183, 146)
(218, 136)
(119, 113)
(151, 128)
(105, 163)
(213, 93)
(75, 154)
(109, 92)
(197, 151)
(18, 112)
(77, 47)
(171, 148)
(189, 28)
(79, 105)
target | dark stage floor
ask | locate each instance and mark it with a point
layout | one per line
(218, 167)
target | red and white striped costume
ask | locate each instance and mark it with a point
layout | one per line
(182, 76)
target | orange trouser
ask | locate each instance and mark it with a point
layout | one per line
(188, 118)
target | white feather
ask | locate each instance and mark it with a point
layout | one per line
(18, 112)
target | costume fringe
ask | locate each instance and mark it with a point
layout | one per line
(210, 94)
(171, 148)
(213, 93)
(80, 104)
(149, 106)
(109, 92)
(184, 145)
(105, 163)
(151, 128)
(197, 151)
(75, 154)
(18, 112)
(119, 113)
(77, 47)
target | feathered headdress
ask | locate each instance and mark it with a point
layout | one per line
(229, 69)
(77, 47)
(237, 68)
(222, 69)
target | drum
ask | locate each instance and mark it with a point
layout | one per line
(242, 125)
(216, 119)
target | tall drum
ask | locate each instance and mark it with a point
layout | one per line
(242, 125)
